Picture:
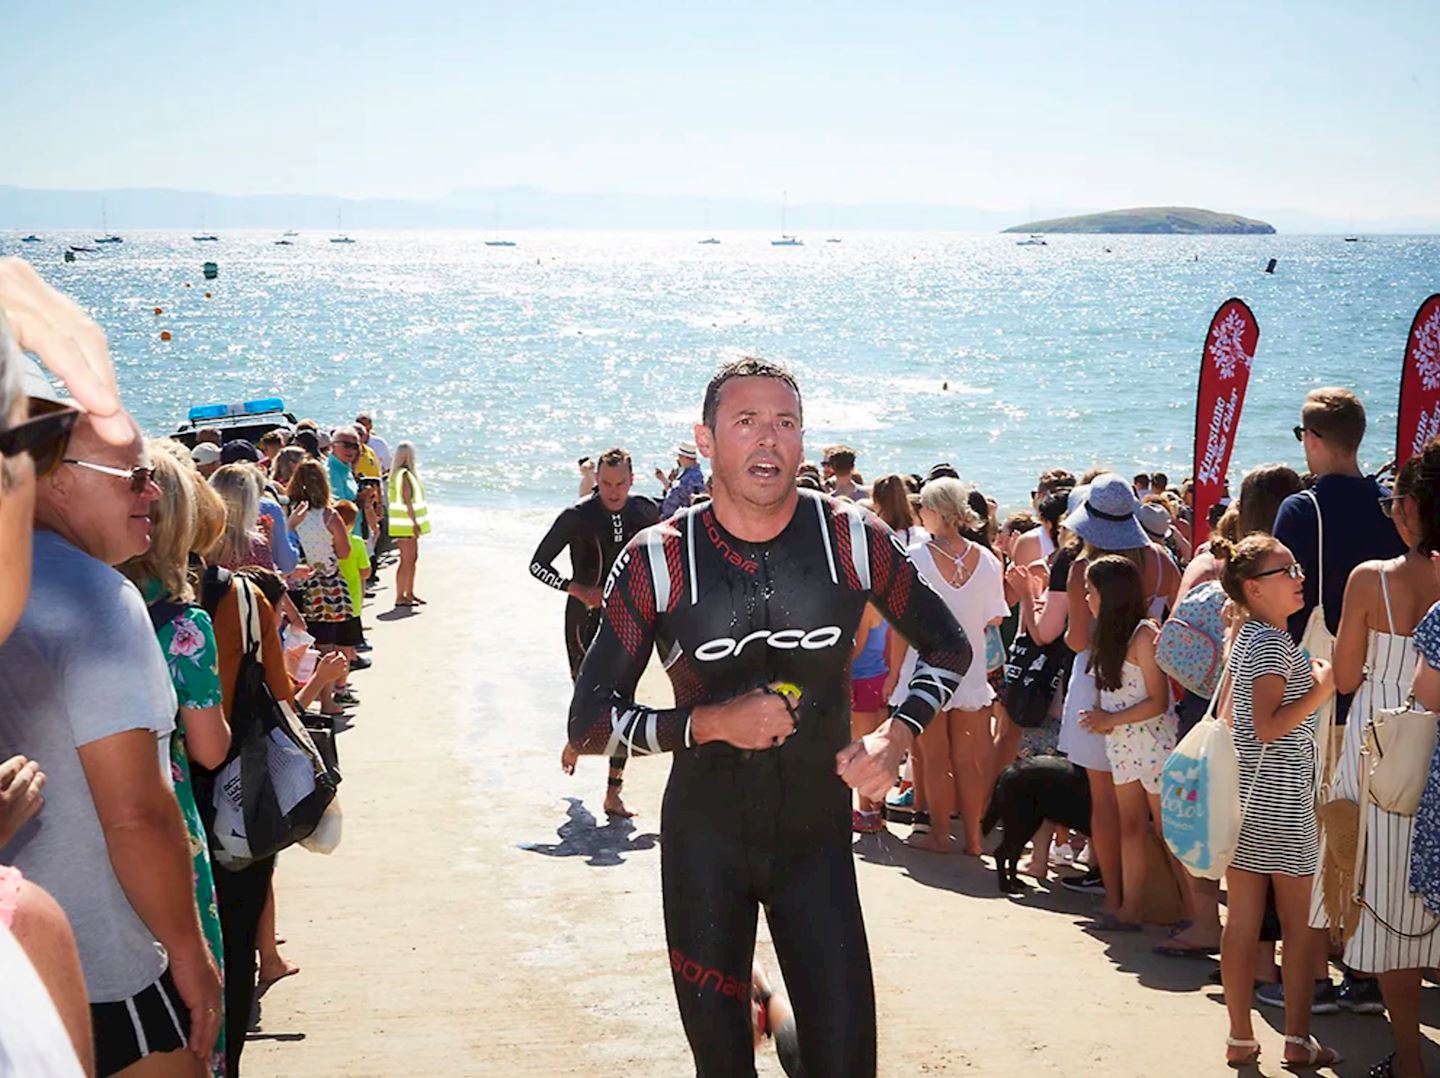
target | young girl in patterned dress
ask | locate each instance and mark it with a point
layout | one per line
(1133, 712)
(1275, 690)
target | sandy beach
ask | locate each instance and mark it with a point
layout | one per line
(478, 919)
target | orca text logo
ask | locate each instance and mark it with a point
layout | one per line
(722, 647)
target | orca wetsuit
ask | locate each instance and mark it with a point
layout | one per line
(741, 828)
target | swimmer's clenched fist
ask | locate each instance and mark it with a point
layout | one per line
(760, 719)
(869, 764)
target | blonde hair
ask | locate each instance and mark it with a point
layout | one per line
(238, 491)
(209, 517)
(950, 498)
(404, 457)
(172, 525)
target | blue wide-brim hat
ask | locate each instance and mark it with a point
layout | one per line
(1106, 518)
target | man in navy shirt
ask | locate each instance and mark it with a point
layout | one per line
(1332, 425)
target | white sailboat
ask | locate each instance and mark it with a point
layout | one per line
(497, 241)
(108, 237)
(786, 240)
(342, 237)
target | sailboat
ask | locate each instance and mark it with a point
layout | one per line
(786, 240)
(497, 241)
(109, 236)
(342, 238)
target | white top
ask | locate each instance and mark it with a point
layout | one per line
(33, 1041)
(381, 449)
(975, 603)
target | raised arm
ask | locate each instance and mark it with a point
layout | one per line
(918, 614)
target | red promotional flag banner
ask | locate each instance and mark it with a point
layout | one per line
(1420, 383)
(1224, 375)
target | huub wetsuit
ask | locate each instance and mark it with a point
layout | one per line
(740, 828)
(595, 536)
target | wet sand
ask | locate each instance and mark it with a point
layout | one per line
(478, 919)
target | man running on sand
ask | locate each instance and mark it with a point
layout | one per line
(751, 599)
(596, 529)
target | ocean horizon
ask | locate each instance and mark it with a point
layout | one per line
(506, 364)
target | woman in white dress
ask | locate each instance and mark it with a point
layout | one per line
(1396, 937)
(956, 750)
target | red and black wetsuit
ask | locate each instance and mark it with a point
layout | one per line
(740, 829)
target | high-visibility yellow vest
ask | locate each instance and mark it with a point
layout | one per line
(399, 517)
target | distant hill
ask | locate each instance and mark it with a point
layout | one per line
(1153, 220)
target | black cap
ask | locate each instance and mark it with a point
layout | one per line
(943, 470)
(239, 451)
(308, 441)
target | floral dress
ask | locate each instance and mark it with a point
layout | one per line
(1425, 853)
(188, 642)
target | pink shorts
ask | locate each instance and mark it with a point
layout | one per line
(868, 693)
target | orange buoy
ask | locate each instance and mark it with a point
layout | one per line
(187, 284)
(159, 310)
(207, 295)
(164, 334)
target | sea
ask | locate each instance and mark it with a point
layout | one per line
(504, 365)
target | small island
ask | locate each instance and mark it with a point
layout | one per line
(1154, 221)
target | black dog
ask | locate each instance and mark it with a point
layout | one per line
(1028, 793)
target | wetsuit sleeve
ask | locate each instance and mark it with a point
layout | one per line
(604, 716)
(943, 653)
(542, 562)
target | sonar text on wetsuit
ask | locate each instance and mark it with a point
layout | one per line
(742, 828)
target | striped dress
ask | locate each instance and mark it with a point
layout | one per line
(1278, 832)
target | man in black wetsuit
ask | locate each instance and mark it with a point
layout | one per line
(596, 530)
(761, 587)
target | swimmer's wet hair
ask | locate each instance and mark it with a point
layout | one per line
(616, 458)
(746, 367)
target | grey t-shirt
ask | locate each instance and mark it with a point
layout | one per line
(82, 665)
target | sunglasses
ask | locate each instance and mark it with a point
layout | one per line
(1295, 571)
(45, 435)
(1300, 432)
(1387, 505)
(139, 477)
(344, 445)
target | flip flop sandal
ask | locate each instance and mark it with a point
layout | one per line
(1108, 922)
(1248, 1060)
(1319, 1055)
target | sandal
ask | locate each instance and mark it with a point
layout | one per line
(1251, 1058)
(1108, 922)
(1319, 1055)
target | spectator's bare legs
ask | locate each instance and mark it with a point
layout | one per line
(861, 724)
(932, 775)
(409, 548)
(273, 966)
(972, 748)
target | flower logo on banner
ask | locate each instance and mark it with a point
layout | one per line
(1427, 429)
(1225, 346)
(1427, 352)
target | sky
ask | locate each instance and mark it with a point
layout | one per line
(1330, 108)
